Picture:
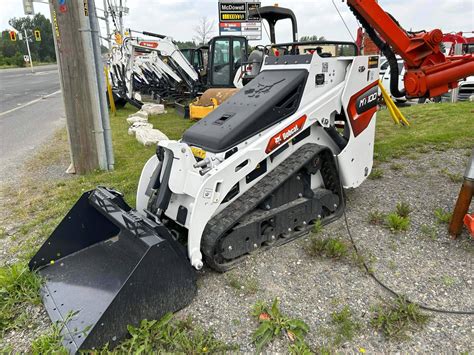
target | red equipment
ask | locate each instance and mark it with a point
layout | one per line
(429, 72)
(457, 38)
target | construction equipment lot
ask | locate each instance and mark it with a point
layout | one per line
(421, 167)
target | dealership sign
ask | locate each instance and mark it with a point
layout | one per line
(234, 19)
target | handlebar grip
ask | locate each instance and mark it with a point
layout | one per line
(153, 34)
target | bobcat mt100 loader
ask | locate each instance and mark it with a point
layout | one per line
(255, 173)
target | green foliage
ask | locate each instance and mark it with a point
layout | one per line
(428, 231)
(376, 217)
(334, 248)
(274, 324)
(317, 227)
(376, 174)
(50, 342)
(403, 209)
(18, 286)
(397, 223)
(345, 326)
(396, 318)
(396, 166)
(247, 285)
(442, 216)
(168, 335)
(11, 52)
(453, 177)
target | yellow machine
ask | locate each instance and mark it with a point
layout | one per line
(209, 101)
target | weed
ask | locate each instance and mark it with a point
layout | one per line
(334, 248)
(273, 323)
(448, 281)
(49, 343)
(428, 231)
(442, 216)
(396, 166)
(376, 174)
(361, 259)
(412, 156)
(3, 233)
(376, 217)
(403, 209)
(392, 265)
(248, 285)
(170, 336)
(453, 177)
(396, 318)
(397, 223)
(17, 286)
(345, 326)
(317, 227)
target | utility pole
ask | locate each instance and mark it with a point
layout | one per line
(29, 52)
(107, 25)
(80, 83)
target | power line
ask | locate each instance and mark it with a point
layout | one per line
(342, 18)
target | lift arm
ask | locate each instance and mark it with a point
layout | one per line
(429, 72)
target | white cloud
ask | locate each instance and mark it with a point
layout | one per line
(177, 18)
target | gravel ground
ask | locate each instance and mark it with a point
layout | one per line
(432, 270)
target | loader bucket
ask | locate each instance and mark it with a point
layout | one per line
(105, 267)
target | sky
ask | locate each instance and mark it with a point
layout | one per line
(178, 18)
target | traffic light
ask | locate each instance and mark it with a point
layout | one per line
(12, 36)
(37, 35)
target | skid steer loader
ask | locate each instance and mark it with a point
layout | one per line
(254, 174)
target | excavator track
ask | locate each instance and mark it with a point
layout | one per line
(269, 214)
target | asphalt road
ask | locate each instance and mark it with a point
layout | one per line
(31, 110)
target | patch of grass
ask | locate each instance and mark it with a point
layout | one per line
(275, 324)
(431, 125)
(18, 286)
(345, 327)
(396, 166)
(317, 227)
(247, 285)
(50, 342)
(397, 223)
(376, 174)
(168, 335)
(403, 209)
(448, 281)
(429, 231)
(396, 318)
(334, 248)
(376, 217)
(361, 258)
(442, 216)
(453, 177)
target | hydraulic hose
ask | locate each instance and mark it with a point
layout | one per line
(388, 53)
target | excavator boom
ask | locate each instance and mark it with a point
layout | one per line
(429, 72)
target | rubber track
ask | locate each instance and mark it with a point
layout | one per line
(249, 200)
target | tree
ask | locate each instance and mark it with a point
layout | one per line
(312, 38)
(204, 30)
(42, 50)
(185, 44)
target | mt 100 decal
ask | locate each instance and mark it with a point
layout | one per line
(362, 107)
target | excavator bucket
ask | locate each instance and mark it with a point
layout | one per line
(105, 267)
(208, 102)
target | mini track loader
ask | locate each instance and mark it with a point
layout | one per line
(254, 174)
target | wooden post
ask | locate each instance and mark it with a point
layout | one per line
(79, 85)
